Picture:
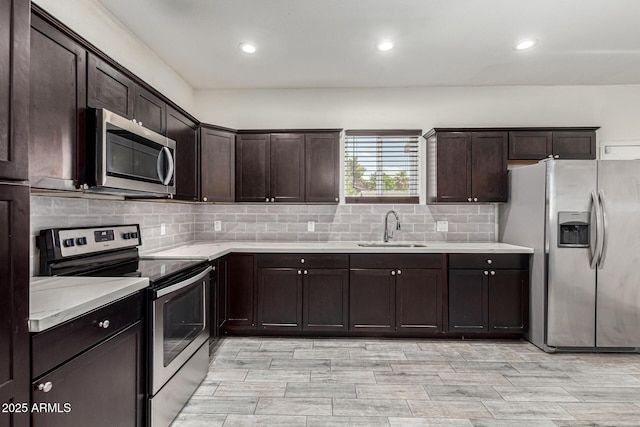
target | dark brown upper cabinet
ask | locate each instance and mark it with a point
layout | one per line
(111, 89)
(288, 167)
(217, 161)
(57, 108)
(322, 167)
(466, 166)
(185, 132)
(14, 89)
(571, 143)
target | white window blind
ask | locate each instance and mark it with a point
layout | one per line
(382, 166)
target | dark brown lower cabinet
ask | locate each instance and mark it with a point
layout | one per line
(325, 293)
(101, 387)
(279, 299)
(221, 300)
(241, 292)
(419, 300)
(493, 300)
(372, 300)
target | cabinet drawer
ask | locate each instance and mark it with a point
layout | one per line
(56, 345)
(304, 260)
(396, 261)
(514, 261)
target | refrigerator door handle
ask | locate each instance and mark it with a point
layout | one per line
(595, 241)
(603, 246)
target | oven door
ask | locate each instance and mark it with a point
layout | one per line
(132, 158)
(179, 325)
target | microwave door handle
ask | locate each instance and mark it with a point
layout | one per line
(159, 162)
(171, 162)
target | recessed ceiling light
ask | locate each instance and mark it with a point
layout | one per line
(248, 48)
(525, 44)
(385, 46)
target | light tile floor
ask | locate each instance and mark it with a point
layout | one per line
(287, 382)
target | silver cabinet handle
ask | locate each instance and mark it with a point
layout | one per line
(550, 156)
(486, 273)
(556, 156)
(469, 199)
(493, 273)
(104, 324)
(46, 387)
(204, 199)
(266, 200)
(399, 271)
(393, 273)
(299, 271)
(301, 260)
(273, 199)
(475, 199)
(337, 199)
(306, 272)
(489, 261)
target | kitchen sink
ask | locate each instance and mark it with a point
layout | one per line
(391, 245)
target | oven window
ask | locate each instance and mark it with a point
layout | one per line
(130, 156)
(183, 319)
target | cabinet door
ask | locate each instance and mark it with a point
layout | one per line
(508, 302)
(529, 145)
(322, 167)
(453, 166)
(287, 168)
(109, 88)
(279, 299)
(325, 295)
(221, 296)
(149, 110)
(58, 77)
(104, 385)
(217, 161)
(14, 300)
(574, 145)
(372, 300)
(419, 300)
(468, 301)
(241, 292)
(252, 168)
(489, 166)
(185, 132)
(14, 89)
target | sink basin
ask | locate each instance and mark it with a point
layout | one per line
(391, 245)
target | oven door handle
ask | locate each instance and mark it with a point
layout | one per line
(185, 283)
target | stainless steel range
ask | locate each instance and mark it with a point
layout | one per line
(178, 303)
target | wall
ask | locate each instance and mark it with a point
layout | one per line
(59, 212)
(614, 108)
(94, 23)
(343, 222)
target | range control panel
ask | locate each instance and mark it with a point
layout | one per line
(84, 241)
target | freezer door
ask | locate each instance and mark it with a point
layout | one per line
(618, 277)
(571, 283)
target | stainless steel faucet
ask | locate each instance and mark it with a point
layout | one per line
(389, 234)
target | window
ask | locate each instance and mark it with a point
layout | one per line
(381, 166)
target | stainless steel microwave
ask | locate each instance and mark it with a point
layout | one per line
(125, 158)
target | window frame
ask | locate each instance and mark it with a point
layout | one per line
(417, 133)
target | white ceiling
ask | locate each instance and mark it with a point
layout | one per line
(332, 43)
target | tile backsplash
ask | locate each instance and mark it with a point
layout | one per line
(467, 223)
(189, 222)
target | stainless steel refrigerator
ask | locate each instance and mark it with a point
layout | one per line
(582, 217)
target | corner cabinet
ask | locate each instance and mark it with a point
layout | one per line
(217, 160)
(488, 293)
(466, 166)
(287, 167)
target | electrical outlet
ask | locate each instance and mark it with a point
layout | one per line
(163, 229)
(311, 226)
(217, 225)
(442, 226)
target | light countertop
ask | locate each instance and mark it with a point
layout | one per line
(54, 300)
(213, 250)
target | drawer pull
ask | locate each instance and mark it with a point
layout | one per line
(46, 387)
(104, 324)
(489, 261)
(301, 260)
